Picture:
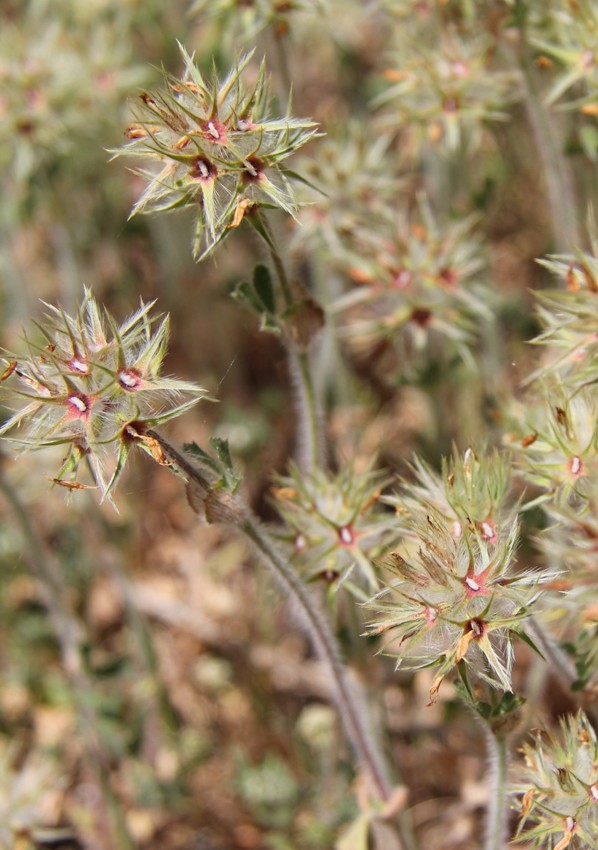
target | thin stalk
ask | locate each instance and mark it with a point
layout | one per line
(236, 513)
(497, 814)
(311, 454)
(310, 449)
(70, 635)
(325, 646)
(281, 272)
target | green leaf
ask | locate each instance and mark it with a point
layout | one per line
(221, 448)
(262, 283)
(245, 293)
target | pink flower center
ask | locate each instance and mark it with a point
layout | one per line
(77, 364)
(487, 531)
(477, 628)
(129, 380)
(300, 543)
(346, 535)
(575, 465)
(203, 170)
(79, 406)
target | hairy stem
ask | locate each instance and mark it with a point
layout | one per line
(352, 712)
(497, 814)
(310, 450)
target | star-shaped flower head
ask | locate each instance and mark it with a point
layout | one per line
(336, 525)
(217, 149)
(454, 601)
(91, 384)
(558, 786)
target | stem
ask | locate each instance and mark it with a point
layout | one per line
(325, 645)
(283, 278)
(352, 714)
(310, 450)
(311, 454)
(497, 815)
(557, 170)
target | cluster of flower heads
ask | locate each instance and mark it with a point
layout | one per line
(558, 788)
(556, 446)
(566, 34)
(217, 149)
(336, 525)
(454, 596)
(416, 282)
(94, 387)
(357, 180)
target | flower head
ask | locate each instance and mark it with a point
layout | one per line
(336, 524)
(88, 383)
(558, 786)
(454, 601)
(217, 149)
(415, 283)
(450, 92)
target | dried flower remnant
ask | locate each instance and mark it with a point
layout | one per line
(557, 786)
(217, 149)
(336, 524)
(85, 380)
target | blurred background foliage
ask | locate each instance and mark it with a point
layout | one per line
(165, 703)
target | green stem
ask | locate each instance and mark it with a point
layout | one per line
(281, 272)
(497, 815)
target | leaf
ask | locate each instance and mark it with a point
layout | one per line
(245, 293)
(356, 835)
(262, 283)
(221, 448)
